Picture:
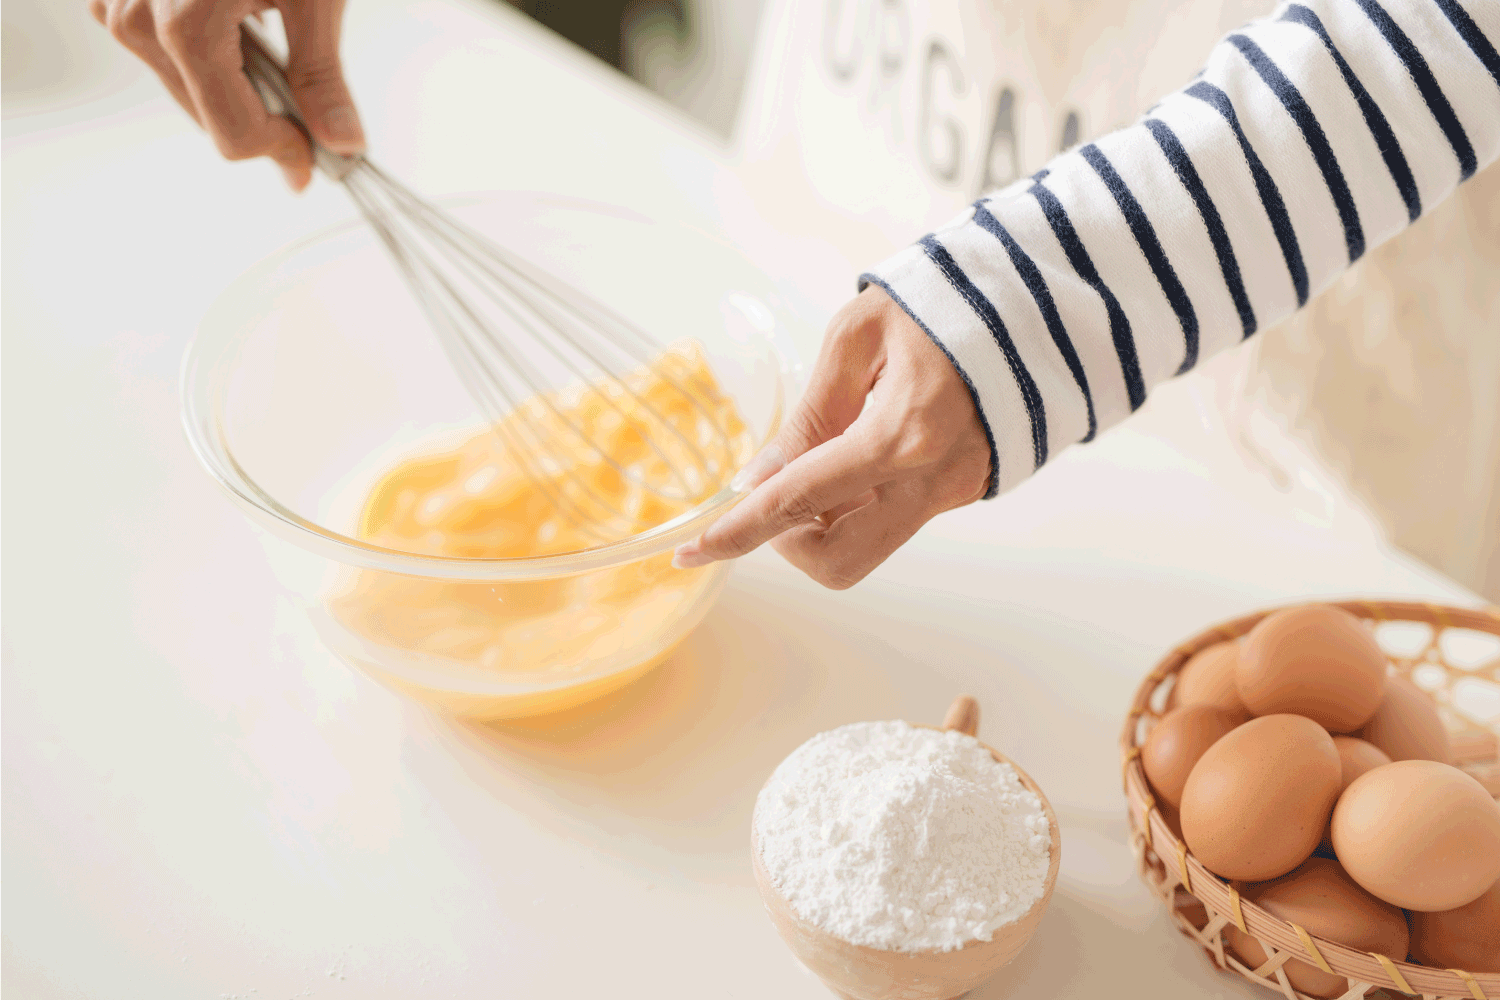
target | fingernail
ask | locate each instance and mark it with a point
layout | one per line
(763, 466)
(343, 132)
(689, 556)
(296, 179)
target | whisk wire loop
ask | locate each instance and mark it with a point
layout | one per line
(505, 268)
(540, 325)
(456, 313)
(448, 313)
(504, 323)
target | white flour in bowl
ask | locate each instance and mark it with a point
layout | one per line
(901, 838)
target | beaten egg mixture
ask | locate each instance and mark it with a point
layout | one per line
(479, 501)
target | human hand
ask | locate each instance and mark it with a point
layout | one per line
(194, 46)
(849, 480)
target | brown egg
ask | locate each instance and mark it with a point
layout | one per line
(1258, 800)
(1355, 758)
(1418, 834)
(1467, 938)
(1208, 679)
(1315, 661)
(1406, 725)
(1321, 898)
(1177, 742)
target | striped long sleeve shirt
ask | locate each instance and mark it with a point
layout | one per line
(1307, 139)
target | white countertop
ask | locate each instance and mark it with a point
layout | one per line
(199, 802)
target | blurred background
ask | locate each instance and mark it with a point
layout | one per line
(694, 53)
(1389, 384)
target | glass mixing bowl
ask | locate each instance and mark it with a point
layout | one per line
(316, 372)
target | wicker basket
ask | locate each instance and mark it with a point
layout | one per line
(1183, 884)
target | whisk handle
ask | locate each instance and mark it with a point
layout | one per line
(269, 77)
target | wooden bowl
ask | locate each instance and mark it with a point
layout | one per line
(855, 972)
(1204, 906)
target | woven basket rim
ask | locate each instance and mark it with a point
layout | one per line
(1222, 901)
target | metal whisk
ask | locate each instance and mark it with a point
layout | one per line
(513, 333)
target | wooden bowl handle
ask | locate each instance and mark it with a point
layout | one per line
(963, 715)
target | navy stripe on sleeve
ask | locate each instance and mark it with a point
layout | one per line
(993, 488)
(1270, 197)
(1229, 265)
(1421, 74)
(1030, 394)
(1119, 323)
(1472, 36)
(1145, 238)
(1328, 164)
(1380, 129)
(1042, 295)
